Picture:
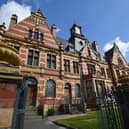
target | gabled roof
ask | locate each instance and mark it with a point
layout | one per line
(35, 22)
(110, 53)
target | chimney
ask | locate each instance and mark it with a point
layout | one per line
(13, 21)
(53, 30)
(95, 46)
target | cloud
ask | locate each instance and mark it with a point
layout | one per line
(12, 7)
(123, 46)
(58, 30)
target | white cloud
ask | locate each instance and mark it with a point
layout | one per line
(58, 30)
(123, 46)
(12, 7)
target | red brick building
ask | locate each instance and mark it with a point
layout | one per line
(67, 72)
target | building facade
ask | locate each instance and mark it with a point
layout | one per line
(66, 72)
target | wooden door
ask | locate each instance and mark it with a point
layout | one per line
(30, 96)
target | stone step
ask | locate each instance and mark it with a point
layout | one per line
(27, 117)
(31, 113)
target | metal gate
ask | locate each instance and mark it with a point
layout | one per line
(113, 108)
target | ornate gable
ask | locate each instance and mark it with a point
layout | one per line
(116, 56)
(88, 52)
(33, 29)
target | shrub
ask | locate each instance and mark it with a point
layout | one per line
(50, 112)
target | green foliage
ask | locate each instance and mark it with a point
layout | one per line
(50, 112)
(89, 121)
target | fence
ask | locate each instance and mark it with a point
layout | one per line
(113, 108)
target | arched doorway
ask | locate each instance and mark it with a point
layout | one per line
(67, 93)
(31, 92)
(67, 98)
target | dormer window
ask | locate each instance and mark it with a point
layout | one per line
(81, 43)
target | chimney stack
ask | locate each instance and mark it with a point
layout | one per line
(53, 30)
(95, 46)
(13, 21)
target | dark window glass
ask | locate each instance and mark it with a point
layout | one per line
(75, 67)
(91, 69)
(36, 58)
(33, 58)
(89, 88)
(36, 35)
(50, 90)
(17, 48)
(118, 73)
(77, 90)
(30, 33)
(66, 65)
(51, 61)
(41, 36)
(30, 57)
(108, 73)
(102, 72)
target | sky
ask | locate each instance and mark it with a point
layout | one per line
(103, 21)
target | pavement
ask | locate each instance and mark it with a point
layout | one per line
(48, 122)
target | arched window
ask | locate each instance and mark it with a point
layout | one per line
(50, 90)
(77, 90)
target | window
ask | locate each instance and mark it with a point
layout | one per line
(41, 36)
(50, 90)
(66, 65)
(30, 33)
(89, 53)
(89, 88)
(81, 43)
(36, 35)
(91, 69)
(33, 58)
(108, 73)
(51, 61)
(77, 90)
(17, 48)
(75, 67)
(102, 72)
(118, 73)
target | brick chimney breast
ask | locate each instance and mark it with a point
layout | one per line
(13, 21)
(53, 30)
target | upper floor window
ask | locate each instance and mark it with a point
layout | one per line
(33, 58)
(51, 61)
(41, 36)
(30, 33)
(91, 69)
(103, 72)
(108, 73)
(118, 73)
(75, 67)
(36, 35)
(50, 90)
(66, 65)
(89, 52)
(77, 91)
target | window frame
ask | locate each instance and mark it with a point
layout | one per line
(49, 94)
(51, 61)
(33, 57)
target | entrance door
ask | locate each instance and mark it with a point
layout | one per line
(31, 96)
